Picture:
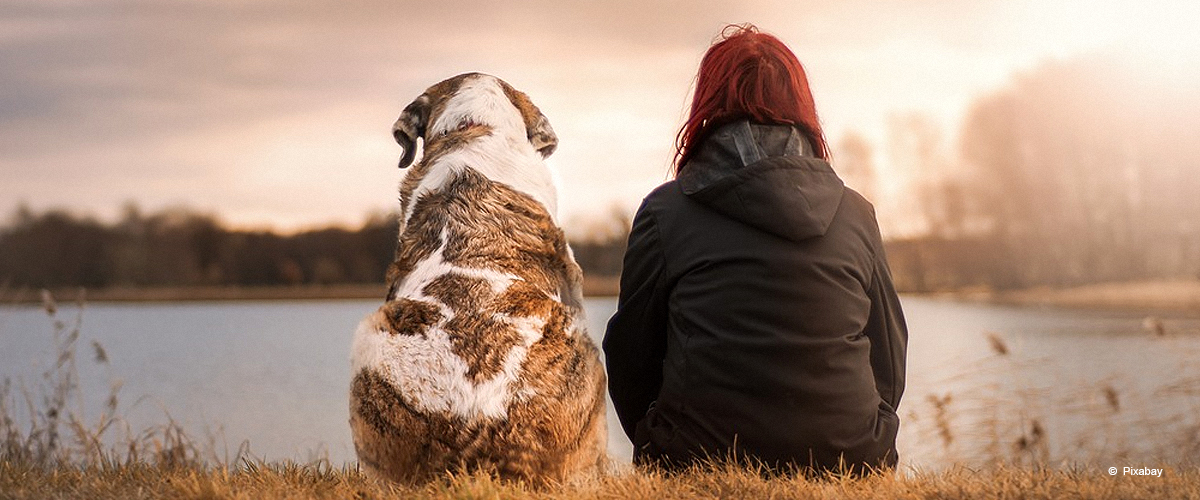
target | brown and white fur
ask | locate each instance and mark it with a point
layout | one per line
(479, 358)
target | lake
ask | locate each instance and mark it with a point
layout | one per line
(984, 381)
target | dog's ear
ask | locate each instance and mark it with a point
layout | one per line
(537, 128)
(542, 135)
(410, 126)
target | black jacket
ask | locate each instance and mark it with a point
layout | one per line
(757, 313)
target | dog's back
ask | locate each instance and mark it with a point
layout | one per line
(479, 358)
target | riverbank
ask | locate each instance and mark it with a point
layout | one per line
(198, 293)
(592, 287)
(1168, 296)
(254, 480)
(1142, 296)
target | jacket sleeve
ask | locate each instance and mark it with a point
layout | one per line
(635, 343)
(888, 334)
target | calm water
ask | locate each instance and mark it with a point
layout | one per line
(276, 374)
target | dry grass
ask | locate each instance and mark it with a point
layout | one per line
(50, 449)
(43, 423)
(291, 481)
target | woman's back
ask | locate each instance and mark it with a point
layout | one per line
(768, 269)
(757, 314)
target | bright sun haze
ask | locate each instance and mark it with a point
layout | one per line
(275, 116)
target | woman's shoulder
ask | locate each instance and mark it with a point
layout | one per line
(665, 195)
(858, 212)
(858, 202)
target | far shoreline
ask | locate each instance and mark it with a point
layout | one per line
(592, 287)
(1162, 296)
(1146, 297)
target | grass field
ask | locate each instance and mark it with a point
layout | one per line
(292, 481)
(48, 449)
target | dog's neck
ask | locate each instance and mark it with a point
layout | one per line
(502, 158)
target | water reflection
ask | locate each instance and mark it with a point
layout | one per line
(1069, 385)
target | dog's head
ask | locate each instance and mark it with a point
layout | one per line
(468, 100)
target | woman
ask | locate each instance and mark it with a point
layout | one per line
(757, 316)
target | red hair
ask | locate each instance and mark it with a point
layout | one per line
(749, 75)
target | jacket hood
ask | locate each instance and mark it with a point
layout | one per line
(765, 176)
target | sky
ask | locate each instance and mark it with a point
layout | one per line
(275, 114)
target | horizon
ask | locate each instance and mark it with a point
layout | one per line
(276, 117)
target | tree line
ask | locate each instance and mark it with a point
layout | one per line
(180, 247)
(1080, 171)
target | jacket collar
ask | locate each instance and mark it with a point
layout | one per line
(765, 176)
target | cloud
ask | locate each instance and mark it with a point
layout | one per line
(130, 96)
(185, 101)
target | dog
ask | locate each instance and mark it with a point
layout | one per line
(479, 359)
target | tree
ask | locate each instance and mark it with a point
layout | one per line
(1084, 171)
(855, 163)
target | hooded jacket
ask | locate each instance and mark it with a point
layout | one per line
(757, 313)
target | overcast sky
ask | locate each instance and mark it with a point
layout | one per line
(274, 113)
